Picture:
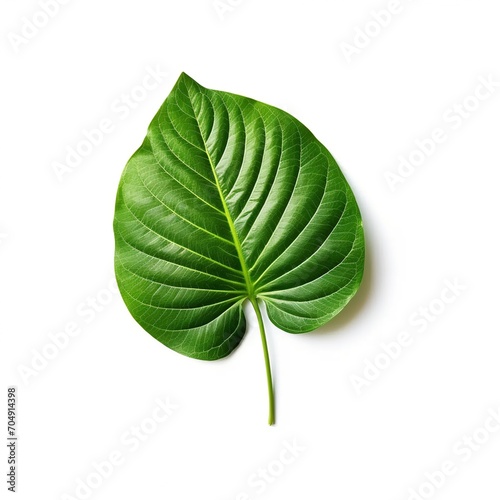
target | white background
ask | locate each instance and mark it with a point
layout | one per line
(441, 222)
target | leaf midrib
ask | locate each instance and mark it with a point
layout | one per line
(236, 240)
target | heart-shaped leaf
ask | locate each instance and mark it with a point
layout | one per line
(229, 199)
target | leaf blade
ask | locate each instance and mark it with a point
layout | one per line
(227, 199)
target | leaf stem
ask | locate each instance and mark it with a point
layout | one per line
(270, 389)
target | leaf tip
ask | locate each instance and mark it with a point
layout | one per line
(185, 79)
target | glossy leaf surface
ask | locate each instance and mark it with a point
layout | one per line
(231, 199)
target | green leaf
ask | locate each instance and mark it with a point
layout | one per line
(229, 199)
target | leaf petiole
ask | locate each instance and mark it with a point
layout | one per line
(270, 388)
